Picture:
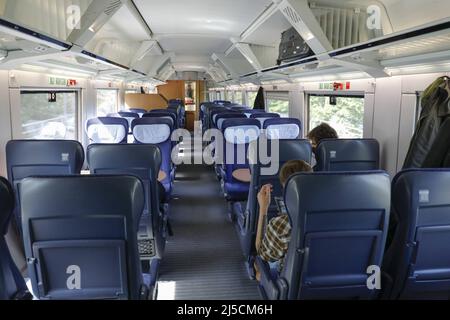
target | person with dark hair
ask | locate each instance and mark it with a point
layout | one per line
(273, 244)
(319, 133)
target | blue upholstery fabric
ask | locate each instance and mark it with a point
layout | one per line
(142, 161)
(339, 227)
(26, 158)
(247, 221)
(12, 284)
(107, 130)
(418, 260)
(262, 117)
(235, 156)
(154, 126)
(81, 240)
(163, 114)
(348, 155)
(221, 117)
(140, 112)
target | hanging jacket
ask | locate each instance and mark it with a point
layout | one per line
(435, 110)
(439, 155)
(260, 102)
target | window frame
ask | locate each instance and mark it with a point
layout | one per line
(337, 95)
(78, 105)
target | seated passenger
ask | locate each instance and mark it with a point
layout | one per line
(273, 247)
(316, 135)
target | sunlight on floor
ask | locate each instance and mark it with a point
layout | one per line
(166, 290)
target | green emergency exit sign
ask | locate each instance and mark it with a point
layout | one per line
(57, 81)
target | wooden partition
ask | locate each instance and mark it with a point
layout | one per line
(145, 101)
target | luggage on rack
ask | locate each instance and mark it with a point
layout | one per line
(293, 47)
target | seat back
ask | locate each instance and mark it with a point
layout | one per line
(81, 240)
(262, 117)
(221, 117)
(26, 158)
(288, 150)
(222, 102)
(418, 259)
(238, 134)
(157, 131)
(216, 112)
(339, 227)
(12, 284)
(130, 116)
(348, 155)
(282, 128)
(142, 161)
(107, 130)
(140, 112)
(163, 115)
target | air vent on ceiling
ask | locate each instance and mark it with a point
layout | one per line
(292, 15)
(113, 7)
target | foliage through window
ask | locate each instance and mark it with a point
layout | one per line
(237, 97)
(251, 97)
(346, 117)
(278, 102)
(107, 102)
(42, 119)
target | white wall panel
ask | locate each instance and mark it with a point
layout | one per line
(386, 120)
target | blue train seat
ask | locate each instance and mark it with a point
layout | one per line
(263, 116)
(418, 261)
(140, 112)
(81, 240)
(12, 284)
(339, 227)
(247, 214)
(348, 155)
(163, 115)
(238, 134)
(107, 130)
(158, 131)
(25, 158)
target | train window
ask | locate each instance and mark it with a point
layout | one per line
(107, 101)
(278, 102)
(251, 97)
(238, 97)
(49, 115)
(344, 113)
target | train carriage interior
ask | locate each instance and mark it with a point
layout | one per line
(258, 150)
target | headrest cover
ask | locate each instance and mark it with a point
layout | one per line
(152, 133)
(106, 133)
(242, 134)
(283, 131)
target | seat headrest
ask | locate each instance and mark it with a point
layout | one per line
(122, 156)
(107, 130)
(125, 114)
(152, 130)
(43, 153)
(241, 131)
(347, 190)
(162, 115)
(348, 154)
(264, 115)
(221, 117)
(282, 128)
(6, 205)
(425, 186)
